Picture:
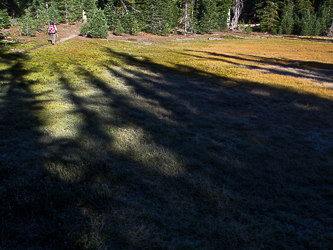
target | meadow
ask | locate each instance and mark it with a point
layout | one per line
(167, 144)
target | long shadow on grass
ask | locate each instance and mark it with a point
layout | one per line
(304, 69)
(219, 162)
(282, 62)
(28, 213)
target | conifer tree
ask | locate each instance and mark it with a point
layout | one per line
(323, 18)
(223, 7)
(310, 25)
(287, 22)
(329, 6)
(89, 6)
(126, 20)
(28, 27)
(98, 26)
(135, 28)
(34, 9)
(208, 20)
(269, 18)
(169, 13)
(155, 20)
(42, 17)
(53, 12)
(64, 9)
(75, 10)
(111, 15)
(84, 28)
(118, 29)
(4, 19)
(302, 6)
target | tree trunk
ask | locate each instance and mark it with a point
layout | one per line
(66, 11)
(238, 10)
(330, 31)
(186, 16)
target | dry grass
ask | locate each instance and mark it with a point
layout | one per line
(192, 144)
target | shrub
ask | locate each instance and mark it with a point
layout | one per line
(98, 26)
(248, 29)
(310, 25)
(287, 22)
(53, 13)
(268, 12)
(166, 30)
(4, 19)
(135, 28)
(119, 29)
(28, 27)
(84, 29)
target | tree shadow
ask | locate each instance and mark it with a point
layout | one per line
(175, 158)
(281, 62)
(303, 69)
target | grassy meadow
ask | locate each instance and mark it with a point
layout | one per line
(167, 144)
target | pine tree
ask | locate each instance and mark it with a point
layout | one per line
(42, 17)
(223, 7)
(248, 29)
(126, 20)
(4, 19)
(301, 7)
(84, 28)
(98, 26)
(170, 13)
(155, 20)
(269, 18)
(28, 27)
(329, 6)
(323, 19)
(310, 26)
(64, 9)
(287, 22)
(166, 30)
(208, 20)
(325, 16)
(76, 10)
(53, 12)
(118, 29)
(89, 6)
(111, 15)
(143, 16)
(135, 28)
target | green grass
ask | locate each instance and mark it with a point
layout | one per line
(166, 145)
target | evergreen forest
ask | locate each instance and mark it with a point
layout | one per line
(163, 17)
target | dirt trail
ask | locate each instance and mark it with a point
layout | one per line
(57, 42)
(66, 38)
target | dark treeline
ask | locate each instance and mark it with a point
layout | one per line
(162, 17)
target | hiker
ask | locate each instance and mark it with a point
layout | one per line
(52, 32)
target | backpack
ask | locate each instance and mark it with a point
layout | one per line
(52, 29)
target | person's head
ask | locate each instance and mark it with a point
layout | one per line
(51, 23)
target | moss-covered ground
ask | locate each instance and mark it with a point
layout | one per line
(167, 144)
